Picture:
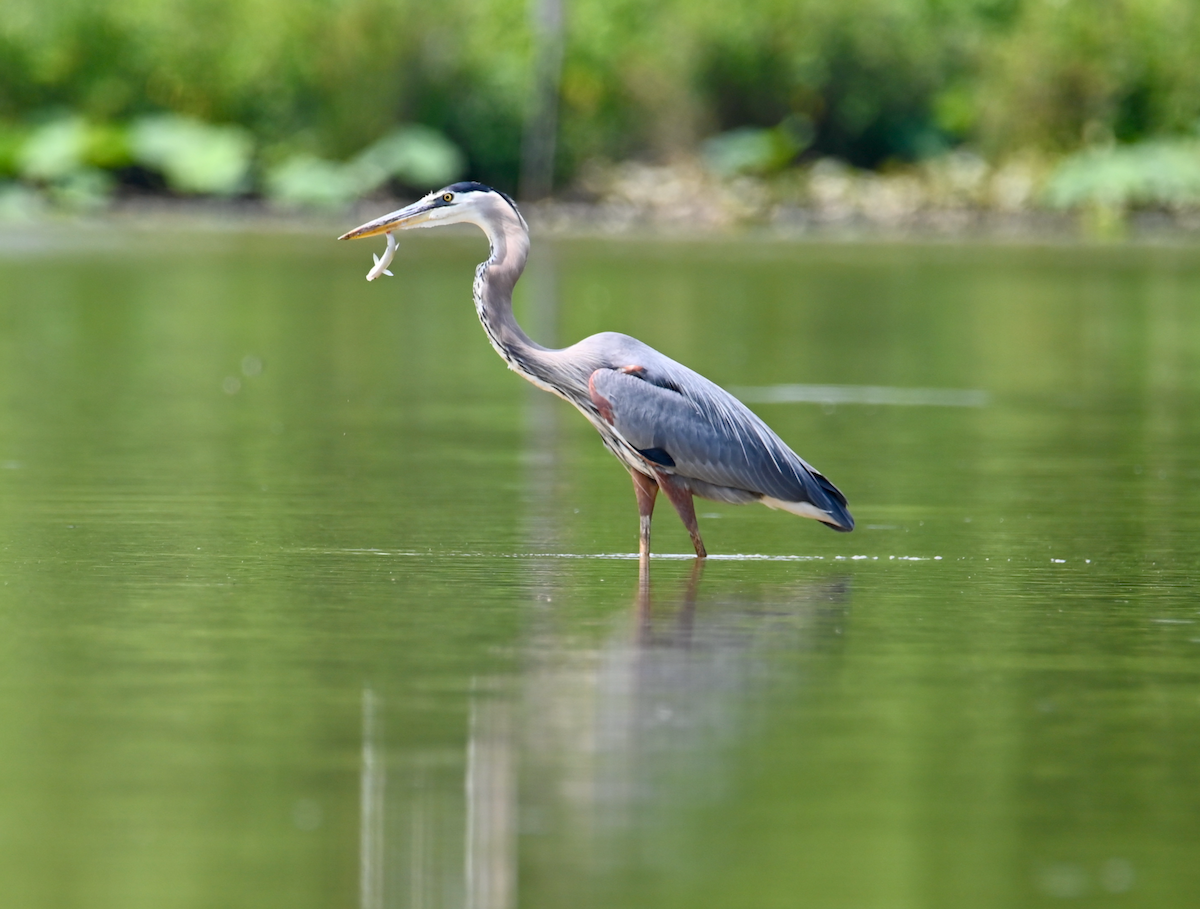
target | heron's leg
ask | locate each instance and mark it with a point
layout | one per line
(681, 498)
(646, 490)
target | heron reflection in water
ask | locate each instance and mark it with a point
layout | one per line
(672, 428)
(620, 726)
(599, 737)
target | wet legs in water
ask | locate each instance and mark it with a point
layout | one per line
(681, 498)
(646, 490)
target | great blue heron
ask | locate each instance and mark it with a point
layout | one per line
(672, 428)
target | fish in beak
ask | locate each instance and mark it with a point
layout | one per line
(419, 214)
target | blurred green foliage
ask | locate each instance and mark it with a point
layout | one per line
(755, 150)
(1161, 173)
(315, 82)
(193, 156)
(415, 155)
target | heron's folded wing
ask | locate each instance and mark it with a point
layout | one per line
(706, 433)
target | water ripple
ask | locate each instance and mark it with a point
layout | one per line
(862, 394)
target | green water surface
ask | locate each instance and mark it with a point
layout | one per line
(308, 602)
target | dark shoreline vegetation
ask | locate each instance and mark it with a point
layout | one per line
(879, 111)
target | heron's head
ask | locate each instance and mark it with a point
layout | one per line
(471, 203)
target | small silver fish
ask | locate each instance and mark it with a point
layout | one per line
(381, 265)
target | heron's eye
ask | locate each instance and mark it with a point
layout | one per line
(448, 197)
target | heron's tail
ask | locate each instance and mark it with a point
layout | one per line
(839, 518)
(821, 501)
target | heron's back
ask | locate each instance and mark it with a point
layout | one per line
(693, 428)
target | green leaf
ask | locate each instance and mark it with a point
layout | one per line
(416, 155)
(195, 157)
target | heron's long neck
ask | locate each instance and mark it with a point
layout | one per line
(494, 282)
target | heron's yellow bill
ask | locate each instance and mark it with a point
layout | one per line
(410, 216)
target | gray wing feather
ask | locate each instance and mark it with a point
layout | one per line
(710, 435)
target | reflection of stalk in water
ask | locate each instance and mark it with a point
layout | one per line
(491, 795)
(542, 505)
(371, 807)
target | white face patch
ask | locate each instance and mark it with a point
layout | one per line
(467, 207)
